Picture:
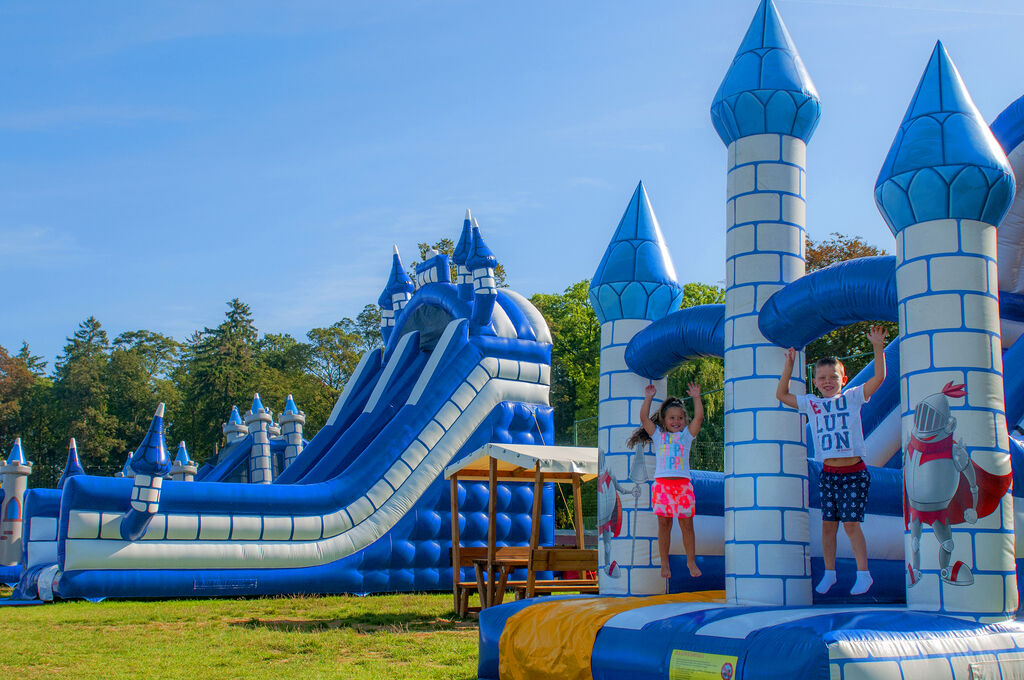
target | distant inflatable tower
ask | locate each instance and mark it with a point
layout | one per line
(126, 469)
(183, 469)
(151, 464)
(395, 297)
(943, 188)
(481, 263)
(234, 430)
(635, 284)
(464, 277)
(258, 420)
(292, 421)
(15, 474)
(765, 111)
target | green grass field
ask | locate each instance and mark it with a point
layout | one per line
(387, 636)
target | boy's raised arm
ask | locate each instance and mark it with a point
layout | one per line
(782, 392)
(645, 409)
(698, 409)
(876, 336)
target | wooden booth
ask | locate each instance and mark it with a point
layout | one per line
(492, 565)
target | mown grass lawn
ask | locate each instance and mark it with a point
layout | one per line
(386, 636)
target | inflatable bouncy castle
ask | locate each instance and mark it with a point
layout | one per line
(940, 433)
(359, 508)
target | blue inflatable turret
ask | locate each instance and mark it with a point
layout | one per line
(12, 503)
(396, 294)
(767, 89)
(126, 469)
(234, 430)
(292, 421)
(258, 420)
(435, 268)
(481, 263)
(461, 256)
(150, 463)
(17, 455)
(73, 466)
(184, 468)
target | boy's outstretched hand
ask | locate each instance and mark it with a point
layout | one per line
(790, 356)
(876, 336)
(650, 391)
(693, 390)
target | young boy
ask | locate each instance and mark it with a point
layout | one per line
(839, 446)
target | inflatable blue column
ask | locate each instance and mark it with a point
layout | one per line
(635, 284)
(463, 275)
(765, 111)
(183, 469)
(15, 474)
(943, 188)
(150, 463)
(292, 421)
(73, 466)
(126, 469)
(481, 263)
(258, 421)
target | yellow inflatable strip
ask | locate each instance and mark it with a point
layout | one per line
(556, 639)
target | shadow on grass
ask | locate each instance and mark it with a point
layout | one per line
(362, 623)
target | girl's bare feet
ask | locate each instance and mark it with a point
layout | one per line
(665, 571)
(694, 570)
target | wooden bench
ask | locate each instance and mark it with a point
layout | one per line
(561, 560)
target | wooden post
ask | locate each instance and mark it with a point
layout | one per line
(577, 500)
(538, 493)
(456, 558)
(492, 526)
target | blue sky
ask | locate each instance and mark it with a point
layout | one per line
(160, 158)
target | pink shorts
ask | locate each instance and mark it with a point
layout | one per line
(673, 497)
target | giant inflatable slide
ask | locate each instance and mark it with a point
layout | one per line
(362, 508)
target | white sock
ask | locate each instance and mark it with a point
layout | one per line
(863, 582)
(828, 579)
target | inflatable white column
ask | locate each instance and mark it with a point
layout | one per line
(944, 187)
(292, 421)
(635, 284)
(15, 474)
(258, 420)
(183, 469)
(765, 111)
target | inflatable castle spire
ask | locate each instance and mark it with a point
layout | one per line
(183, 469)
(943, 188)
(150, 463)
(258, 420)
(481, 263)
(395, 296)
(14, 474)
(234, 430)
(765, 111)
(73, 466)
(292, 420)
(461, 255)
(635, 284)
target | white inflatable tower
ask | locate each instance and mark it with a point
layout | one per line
(765, 111)
(635, 284)
(944, 187)
(183, 469)
(258, 421)
(234, 430)
(15, 474)
(292, 421)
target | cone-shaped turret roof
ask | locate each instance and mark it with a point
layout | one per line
(182, 459)
(289, 405)
(73, 466)
(766, 89)
(636, 279)
(150, 458)
(17, 455)
(236, 417)
(480, 256)
(126, 471)
(465, 244)
(944, 163)
(399, 281)
(257, 405)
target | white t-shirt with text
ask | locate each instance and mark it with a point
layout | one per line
(836, 429)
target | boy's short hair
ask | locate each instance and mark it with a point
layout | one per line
(830, 361)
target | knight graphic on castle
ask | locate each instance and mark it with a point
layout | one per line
(943, 486)
(609, 506)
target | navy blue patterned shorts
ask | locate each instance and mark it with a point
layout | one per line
(843, 495)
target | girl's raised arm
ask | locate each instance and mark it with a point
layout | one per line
(698, 409)
(645, 409)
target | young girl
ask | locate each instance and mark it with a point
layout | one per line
(671, 438)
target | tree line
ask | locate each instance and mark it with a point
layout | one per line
(103, 391)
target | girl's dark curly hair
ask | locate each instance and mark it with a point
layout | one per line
(640, 436)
